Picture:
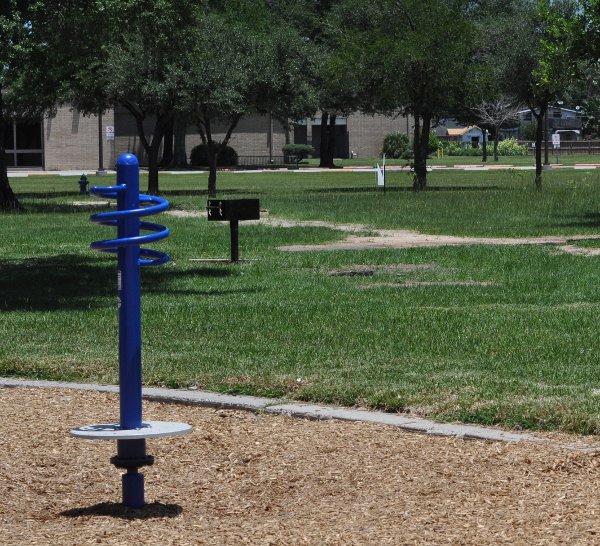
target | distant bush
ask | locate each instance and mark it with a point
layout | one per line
(510, 146)
(300, 151)
(528, 131)
(395, 145)
(434, 143)
(460, 149)
(226, 156)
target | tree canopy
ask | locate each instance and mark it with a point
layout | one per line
(215, 61)
(414, 56)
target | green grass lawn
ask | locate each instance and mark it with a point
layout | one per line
(515, 344)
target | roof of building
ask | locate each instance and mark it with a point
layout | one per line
(460, 131)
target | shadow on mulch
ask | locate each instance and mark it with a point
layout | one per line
(115, 510)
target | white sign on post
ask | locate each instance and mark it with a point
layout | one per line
(380, 178)
(556, 140)
(381, 174)
(110, 132)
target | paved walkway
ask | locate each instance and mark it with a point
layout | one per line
(18, 173)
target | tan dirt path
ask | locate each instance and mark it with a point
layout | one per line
(242, 478)
(364, 237)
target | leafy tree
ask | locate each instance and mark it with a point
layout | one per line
(27, 83)
(410, 55)
(297, 61)
(131, 56)
(257, 68)
(335, 80)
(536, 60)
(145, 72)
(591, 116)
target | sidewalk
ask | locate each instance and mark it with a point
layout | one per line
(292, 409)
(458, 167)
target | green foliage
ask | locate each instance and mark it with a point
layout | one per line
(528, 131)
(226, 156)
(591, 116)
(300, 151)
(28, 72)
(460, 149)
(507, 147)
(434, 143)
(395, 145)
(510, 146)
(412, 56)
(211, 62)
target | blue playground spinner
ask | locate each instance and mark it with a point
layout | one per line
(131, 432)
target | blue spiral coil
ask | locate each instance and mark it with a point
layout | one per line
(148, 257)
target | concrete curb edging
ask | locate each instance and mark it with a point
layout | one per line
(280, 407)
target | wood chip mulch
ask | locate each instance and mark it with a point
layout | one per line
(242, 478)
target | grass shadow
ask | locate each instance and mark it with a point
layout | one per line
(154, 510)
(204, 193)
(74, 282)
(55, 282)
(589, 219)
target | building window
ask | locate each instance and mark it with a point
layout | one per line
(23, 145)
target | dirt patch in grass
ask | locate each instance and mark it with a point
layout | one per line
(363, 237)
(366, 270)
(422, 284)
(242, 478)
(580, 250)
(412, 239)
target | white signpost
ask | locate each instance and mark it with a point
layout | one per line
(110, 132)
(556, 144)
(380, 171)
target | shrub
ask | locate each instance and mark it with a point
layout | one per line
(460, 149)
(300, 151)
(510, 146)
(528, 131)
(226, 156)
(433, 144)
(395, 145)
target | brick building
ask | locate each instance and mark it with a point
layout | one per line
(71, 141)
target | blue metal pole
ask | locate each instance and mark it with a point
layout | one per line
(131, 432)
(130, 329)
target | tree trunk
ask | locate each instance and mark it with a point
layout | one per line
(211, 151)
(167, 154)
(421, 145)
(324, 144)
(152, 152)
(8, 200)
(484, 145)
(151, 148)
(331, 143)
(495, 143)
(179, 152)
(539, 137)
(152, 171)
